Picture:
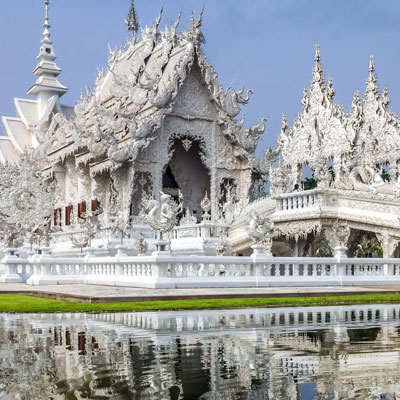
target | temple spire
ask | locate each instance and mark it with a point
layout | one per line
(47, 84)
(317, 57)
(372, 81)
(371, 65)
(317, 74)
(132, 22)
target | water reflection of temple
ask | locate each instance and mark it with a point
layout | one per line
(312, 353)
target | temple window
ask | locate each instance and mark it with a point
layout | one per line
(68, 213)
(95, 205)
(81, 209)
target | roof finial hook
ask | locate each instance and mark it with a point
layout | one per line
(200, 20)
(159, 17)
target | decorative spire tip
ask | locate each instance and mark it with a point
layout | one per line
(317, 57)
(132, 22)
(371, 64)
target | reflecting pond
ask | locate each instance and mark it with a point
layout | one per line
(350, 352)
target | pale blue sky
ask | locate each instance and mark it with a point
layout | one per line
(264, 45)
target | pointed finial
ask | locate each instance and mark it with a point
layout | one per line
(317, 57)
(159, 17)
(46, 4)
(175, 27)
(200, 20)
(371, 64)
(132, 22)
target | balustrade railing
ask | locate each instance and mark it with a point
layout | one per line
(297, 200)
(168, 271)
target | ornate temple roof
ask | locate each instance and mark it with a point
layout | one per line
(367, 136)
(117, 119)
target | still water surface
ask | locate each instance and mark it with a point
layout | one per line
(281, 353)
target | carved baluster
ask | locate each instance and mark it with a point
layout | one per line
(286, 270)
(314, 270)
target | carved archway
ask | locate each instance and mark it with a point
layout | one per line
(187, 171)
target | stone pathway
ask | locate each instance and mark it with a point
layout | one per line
(106, 294)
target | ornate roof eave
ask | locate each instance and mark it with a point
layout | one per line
(148, 118)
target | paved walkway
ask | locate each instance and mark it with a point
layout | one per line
(107, 294)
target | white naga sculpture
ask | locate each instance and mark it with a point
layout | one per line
(260, 230)
(161, 216)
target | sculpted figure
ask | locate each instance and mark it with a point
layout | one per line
(141, 244)
(121, 225)
(259, 228)
(161, 217)
(377, 182)
(362, 176)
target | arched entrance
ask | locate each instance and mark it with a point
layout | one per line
(187, 173)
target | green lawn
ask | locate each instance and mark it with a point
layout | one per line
(16, 303)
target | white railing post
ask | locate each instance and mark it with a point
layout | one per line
(340, 257)
(10, 262)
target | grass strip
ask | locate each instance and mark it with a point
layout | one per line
(15, 303)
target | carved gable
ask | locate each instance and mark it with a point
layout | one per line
(193, 98)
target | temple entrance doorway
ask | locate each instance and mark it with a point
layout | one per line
(186, 172)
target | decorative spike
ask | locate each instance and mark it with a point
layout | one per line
(178, 20)
(192, 23)
(371, 64)
(132, 22)
(159, 17)
(317, 57)
(200, 20)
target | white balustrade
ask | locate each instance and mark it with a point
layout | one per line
(297, 200)
(162, 270)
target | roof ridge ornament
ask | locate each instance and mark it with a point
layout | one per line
(372, 80)
(158, 20)
(132, 22)
(371, 64)
(317, 57)
(318, 71)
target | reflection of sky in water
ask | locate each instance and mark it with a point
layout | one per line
(302, 353)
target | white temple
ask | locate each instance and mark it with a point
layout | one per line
(158, 129)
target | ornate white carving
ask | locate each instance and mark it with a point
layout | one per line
(141, 244)
(161, 216)
(259, 227)
(26, 203)
(355, 143)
